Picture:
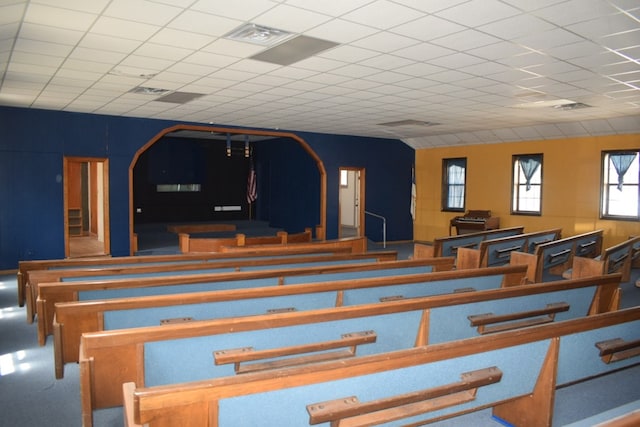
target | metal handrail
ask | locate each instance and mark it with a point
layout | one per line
(384, 227)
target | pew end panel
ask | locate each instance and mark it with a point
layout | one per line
(423, 250)
(468, 258)
(528, 260)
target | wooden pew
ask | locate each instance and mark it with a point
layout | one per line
(230, 263)
(356, 244)
(515, 373)
(193, 280)
(554, 258)
(182, 352)
(72, 319)
(448, 246)
(617, 258)
(627, 415)
(494, 252)
(200, 228)
(189, 243)
(352, 245)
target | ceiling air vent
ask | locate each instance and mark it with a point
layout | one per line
(408, 123)
(571, 106)
(149, 90)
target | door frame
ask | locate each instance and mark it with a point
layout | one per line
(360, 190)
(66, 162)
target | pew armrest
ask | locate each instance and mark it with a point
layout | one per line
(348, 343)
(350, 411)
(617, 349)
(506, 322)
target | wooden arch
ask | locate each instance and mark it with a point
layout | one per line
(320, 228)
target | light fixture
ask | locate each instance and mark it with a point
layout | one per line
(246, 145)
(228, 145)
(258, 34)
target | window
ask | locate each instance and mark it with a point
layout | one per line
(526, 197)
(620, 184)
(454, 178)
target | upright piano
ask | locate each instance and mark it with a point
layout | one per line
(474, 221)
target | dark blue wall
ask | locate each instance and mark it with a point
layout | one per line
(34, 142)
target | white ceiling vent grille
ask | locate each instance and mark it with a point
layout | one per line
(409, 122)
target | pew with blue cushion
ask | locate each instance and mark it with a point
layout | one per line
(617, 258)
(494, 252)
(228, 264)
(306, 291)
(183, 352)
(448, 246)
(550, 260)
(515, 373)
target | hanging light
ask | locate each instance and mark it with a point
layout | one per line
(246, 145)
(228, 145)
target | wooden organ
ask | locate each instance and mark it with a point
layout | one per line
(474, 221)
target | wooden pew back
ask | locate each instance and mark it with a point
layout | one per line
(111, 358)
(48, 294)
(554, 258)
(189, 243)
(449, 245)
(617, 258)
(495, 252)
(342, 287)
(514, 372)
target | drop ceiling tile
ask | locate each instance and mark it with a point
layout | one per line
(12, 13)
(108, 43)
(144, 11)
(548, 39)
(341, 31)
(466, 40)
(36, 59)
(84, 54)
(288, 18)
(329, 7)
(36, 46)
(428, 28)
(181, 39)
(516, 26)
(423, 52)
(58, 17)
(203, 23)
(382, 14)
(386, 62)
(385, 42)
(245, 10)
(124, 29)
(50, 34)
(621, 41)
(319, 64)
(348, 53)
(604, 26)
(574, 11)
(233, 48)
(478, 12)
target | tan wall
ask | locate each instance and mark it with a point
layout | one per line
(570, 194)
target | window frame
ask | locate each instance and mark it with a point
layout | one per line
(446, 186)
(516, 185)
(604, 191)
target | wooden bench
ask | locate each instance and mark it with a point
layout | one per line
(550, 260)
(627, 415)
(494, 252)
(182, 352)
(515, 373)
(27, 267)
(134, 283)
(448, 246)
(189, 243)
(617, 258)
(228, 263)
(335, 288)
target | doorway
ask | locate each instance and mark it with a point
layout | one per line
(86, 207)
(351, 208)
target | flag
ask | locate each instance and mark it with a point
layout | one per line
(414, 194)
(252, 191)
